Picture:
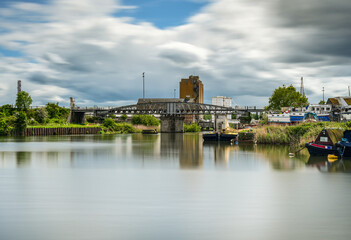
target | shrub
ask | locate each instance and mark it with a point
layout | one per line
(146, 120)
(55, 111)
(208, 117)
(118, 127)
(20, 121)
(123, 117)
(192, 128)
(41, 115)
(109, 123)
(246, 136)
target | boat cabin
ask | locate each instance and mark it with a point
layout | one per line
(329, 136)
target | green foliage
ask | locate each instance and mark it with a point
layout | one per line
(94, 119)
(246, 136)
(234, 116)
(295, 135)
(208, 117)
(123, 117)
(55, 111)
(5, 127)
(286, 97)
(146, 120)
(321, 102)
(192, 128)
(245, 119)
(41, 115)
(20, 121)
(264, 120)
(56, 121)
(111, 125)
(23, 101)
(7, 110)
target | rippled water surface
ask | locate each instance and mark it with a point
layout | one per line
(167, 186)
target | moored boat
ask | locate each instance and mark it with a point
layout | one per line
(325, 142)
(211, 136)
(344, 146)
(228, 136)
(149, 131)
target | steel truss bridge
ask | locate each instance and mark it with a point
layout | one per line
(168, 108)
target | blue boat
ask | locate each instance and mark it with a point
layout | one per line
(344, 146)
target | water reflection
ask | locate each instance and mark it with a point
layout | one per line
(322, 164)
(176, 151)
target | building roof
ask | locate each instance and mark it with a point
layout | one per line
(341, 101)
(159, 100)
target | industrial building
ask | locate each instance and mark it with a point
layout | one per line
(192, 87)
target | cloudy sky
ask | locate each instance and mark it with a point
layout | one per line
(97, 50)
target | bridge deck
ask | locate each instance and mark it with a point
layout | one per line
(169, 108)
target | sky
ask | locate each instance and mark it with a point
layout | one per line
(96, 50)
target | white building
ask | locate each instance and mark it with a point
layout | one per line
(223, 102)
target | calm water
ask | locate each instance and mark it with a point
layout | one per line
(167, 186)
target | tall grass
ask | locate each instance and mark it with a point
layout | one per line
(294, 135)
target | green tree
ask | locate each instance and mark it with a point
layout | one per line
(146, 120)
(286, 97)
(321, 102)
(23, 101)
(207, 117)
(7, 110)
(123, 117)
(55, 111)
(20, 121)
(41, 115)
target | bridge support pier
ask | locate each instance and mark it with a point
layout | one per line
(76, 117)
(172, 124)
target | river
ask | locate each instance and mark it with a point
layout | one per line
(167, 186)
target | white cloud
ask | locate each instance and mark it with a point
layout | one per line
(77, 48)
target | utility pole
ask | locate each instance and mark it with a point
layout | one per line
(174, 93)
(143, 85)
(323, 94)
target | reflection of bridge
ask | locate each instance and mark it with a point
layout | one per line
(172, 113)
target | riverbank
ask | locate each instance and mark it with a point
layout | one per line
(294, 135)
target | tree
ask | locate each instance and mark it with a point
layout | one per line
(23, 101)
(207, 117)
(321, 102)
(55, 111)
(123, 117)
(41, 115)
(20, 121)
(286, 97)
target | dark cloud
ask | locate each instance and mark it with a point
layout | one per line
(322, 28)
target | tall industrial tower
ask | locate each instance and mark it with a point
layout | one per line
(19, 86)
(302, 89)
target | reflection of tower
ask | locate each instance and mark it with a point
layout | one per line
(191, 151)
(302, 89)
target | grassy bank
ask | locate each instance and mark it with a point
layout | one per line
(294, 135)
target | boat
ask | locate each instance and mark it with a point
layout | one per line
(325, 142)
(344, 146)
(149, 131)
(211, 136)
(228, 136)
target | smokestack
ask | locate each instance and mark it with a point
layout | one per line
(19, 86)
